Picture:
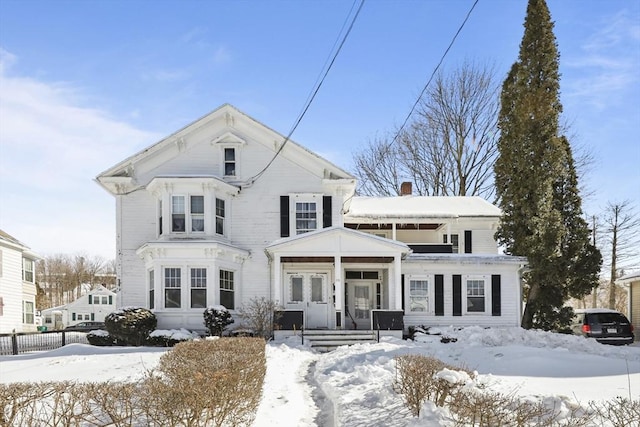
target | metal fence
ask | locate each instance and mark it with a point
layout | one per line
(11, 344)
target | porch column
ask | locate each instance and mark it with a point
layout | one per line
(339, 292)
(449, 232)
(277, 281)
(397, 276)
(393, 231)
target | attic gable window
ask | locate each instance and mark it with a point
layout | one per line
(229, 162)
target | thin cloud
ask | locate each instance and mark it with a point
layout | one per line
(51, 148)
(222, 56)
(608, 67)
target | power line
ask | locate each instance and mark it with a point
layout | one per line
(424, 89)
(314, 92)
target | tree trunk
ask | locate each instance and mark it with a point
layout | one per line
(529, 309)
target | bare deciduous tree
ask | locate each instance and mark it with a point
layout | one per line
(622, 228)
(448, 149)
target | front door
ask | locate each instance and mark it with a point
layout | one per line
(360, 303)
(309, 292)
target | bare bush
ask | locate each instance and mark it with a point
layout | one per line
(212, 382)
(620, 412)
(259, 316)
(416, 380)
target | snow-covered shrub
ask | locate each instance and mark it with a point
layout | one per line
(259, 315)
(100, 337)
(169, 338)
(131, 325)
(216, 319)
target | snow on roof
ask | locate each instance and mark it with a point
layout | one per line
(421, 207)
(631, 277)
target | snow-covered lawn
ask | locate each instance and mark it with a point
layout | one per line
(352, 386)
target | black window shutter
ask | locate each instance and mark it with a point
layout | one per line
(93, 316)
(326, 211)
(90, 301)
(402, 289)
(439, 295)
(496, 302)
(467, 241)
(110, 299)
(73, 316)
(457, 295)
(284, 216)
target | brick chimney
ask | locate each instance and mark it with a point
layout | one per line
(405, 189)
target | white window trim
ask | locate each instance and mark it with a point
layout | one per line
(219, 288)
(487, 295)
(188, 215)
(215, 216)
(164, 288)
(430, 294)
(205, 287)
(304, 198)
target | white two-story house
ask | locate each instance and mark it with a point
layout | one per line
(224, 211)
(17, 286)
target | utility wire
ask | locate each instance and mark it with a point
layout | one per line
(314, 92)
(424, 89)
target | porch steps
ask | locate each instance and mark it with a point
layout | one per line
(327, 340)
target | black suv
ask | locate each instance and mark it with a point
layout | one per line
(85, 326)
(605, 325)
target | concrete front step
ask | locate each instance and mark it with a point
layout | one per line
(327, 340)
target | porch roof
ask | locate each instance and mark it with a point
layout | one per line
(337, 241)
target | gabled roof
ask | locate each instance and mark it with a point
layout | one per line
(336, 240)
(10, 241)
(419, 207)
(230, 114)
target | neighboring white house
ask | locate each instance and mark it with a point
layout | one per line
(17, 286)
(92, 306)
(224, 211)
(632, 282)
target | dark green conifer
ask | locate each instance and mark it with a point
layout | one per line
(536, 181)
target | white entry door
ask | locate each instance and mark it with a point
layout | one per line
(309, 292)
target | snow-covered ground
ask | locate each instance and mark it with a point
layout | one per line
(352, 386)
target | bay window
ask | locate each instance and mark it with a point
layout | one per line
(220, 215)
(172, 287)
(197, 213)
(178, 220)
(198, 288)
(227, 289)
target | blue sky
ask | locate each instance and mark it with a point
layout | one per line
(85, 84)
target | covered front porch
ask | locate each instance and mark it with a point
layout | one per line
(337, 278)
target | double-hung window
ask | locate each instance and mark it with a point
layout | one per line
(227, 289)
(306, 217)
(197, 213)
(151, 290)
(178, 217)
(229, 162)
(220, 215)
(198, 288)
(475, 296)
(172, 285)
(419, 295)
(194, 211)
(28, 312)
(27, 270)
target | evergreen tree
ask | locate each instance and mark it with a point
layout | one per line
(536, 181)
